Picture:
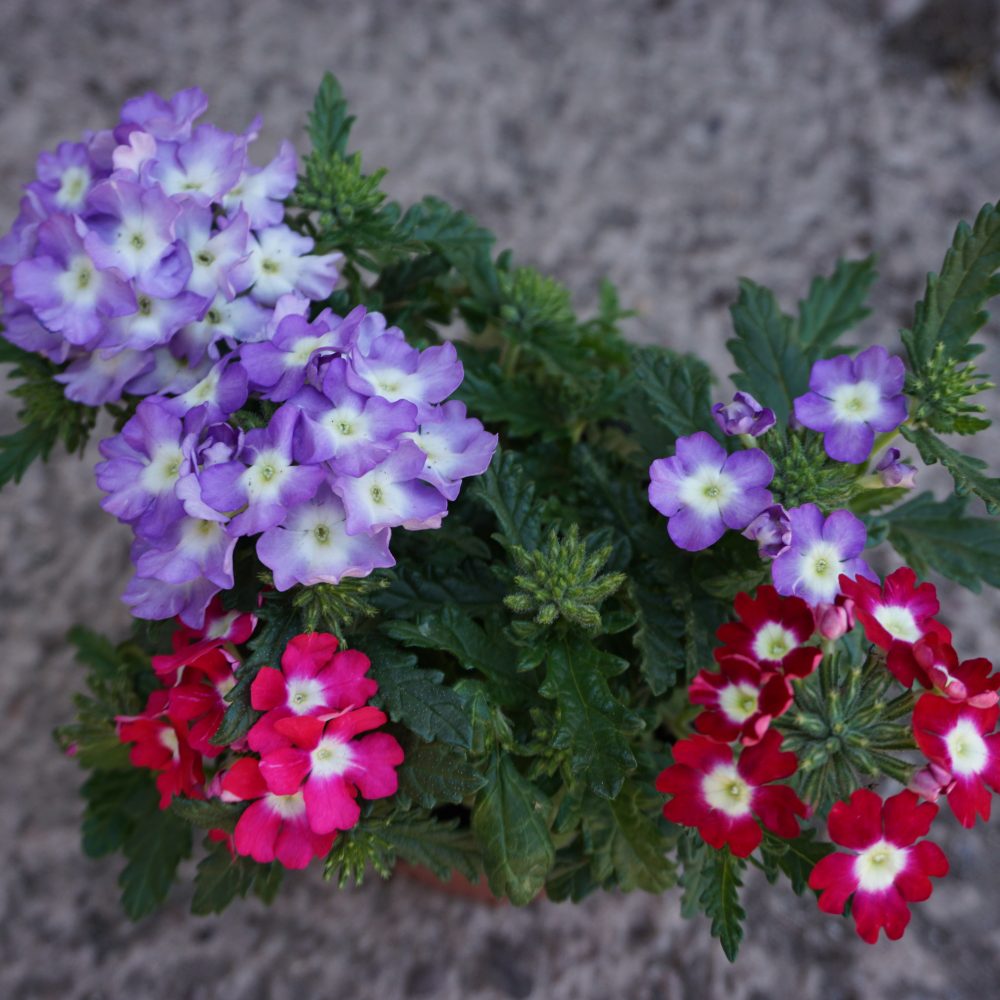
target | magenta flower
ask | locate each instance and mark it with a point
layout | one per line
(702, 490)
(889, 870)
(330, 767)
(744, 415)
(822, 549)
(851, 400)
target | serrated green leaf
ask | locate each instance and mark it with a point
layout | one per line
(834, 305)
(966, 470)
(22, 447)
(155, 845)
(591, 723)
(507, 491)
(329, 122)
(208, 814)
(434, 773)
(659, 638)
(95, 651)
(939, 536)
(721, 899)
(418, 699)
(796, 857)
(514, 400)
(416, 590)
(951, 311)
(114, 800)
(219, 879)
(510, 824)
(773, 366)
(441, 847)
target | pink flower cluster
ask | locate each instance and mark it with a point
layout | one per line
(302, 765)
(726, 780)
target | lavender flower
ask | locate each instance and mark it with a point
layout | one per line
(852, 400)
(893, 472)
(744, 415)
(771, 529)
(394, 370)
(702, 491)
(821, 550)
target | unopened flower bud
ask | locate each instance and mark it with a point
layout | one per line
(835, 620)
(771, 529)
(931, 781)
(893, 472)
(744, 415)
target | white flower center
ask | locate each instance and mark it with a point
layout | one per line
(263, 478)
(72, 187)
(819, 568)
(169, 739)
(707, 491)
(287, 806)
(738, 701)
(164, 468)
(967, 749)
(876, 867)
(305, 694)
(773, 642)
(303, 351)
(858, 403)
(898, 621)
(331, 757)
(79, 283)
(726, 791)
(220, 626)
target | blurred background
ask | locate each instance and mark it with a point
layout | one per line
(672, 145)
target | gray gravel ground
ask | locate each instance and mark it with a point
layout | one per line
(670, 145)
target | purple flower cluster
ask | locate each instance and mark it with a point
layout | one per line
(142, 252)
(359, 441)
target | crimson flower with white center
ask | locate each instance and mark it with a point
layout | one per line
(322, 759)
(895, 616)
(960, 738)
(971, 681)
(724, 799)
(315, 679)
(771, 630)
(889, 869)
(740, 700)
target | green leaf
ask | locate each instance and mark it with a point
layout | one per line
(721, 899)
(940, 536)
(114, 800)
(951, 311)
(209, 814)
(674, 391)
(834, 305)
(590, 722)
(965, 470)
(441, 847)
(219, 880)
(418, 699)
(19, 449)
(154, 846)
(280, 621)
(509, 821)
(496, 398)
(447, 231)
(773, 366)
(659, 638)
(796, 857)
(329, 122)
(95, 651)
(507, 491)
(434, 773)
(415, 590)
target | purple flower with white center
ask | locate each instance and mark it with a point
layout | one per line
(167, 374)
(101, 376)
(260, 191)
(143, 465)
(893, 472)
(263, 481)
(391, 494)
(771, 529)
(369, 330)
(64, 178)
(744, 415)
(853, 399)
(394, 370)
(241, 320)
(821, 549)
(702, 490)
(155, 321)
(279, 263)
(130, 159)
(155, 600)
(455, 447)
(214, 254)
(350, 431)
(222, 392)
(209, 444)
(189, 549)
(130, 228)
(277, 367)
(64, 287)
(21, 327)
(313, 546)
(202, 168)
(22, 239)
(169, 120)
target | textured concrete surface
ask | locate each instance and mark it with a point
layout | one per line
(670, 145)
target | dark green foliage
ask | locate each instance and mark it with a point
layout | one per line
(967, 471)
(506, 490)
(793, 858)
(940, 536)
(712, 881)
(773, 367)
(436, 773)
(208, 814)
(833, 306)
(220, 879)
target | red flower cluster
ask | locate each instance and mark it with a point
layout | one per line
(724, 796)
(301, 766)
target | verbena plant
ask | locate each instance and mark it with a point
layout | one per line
(558, 691)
